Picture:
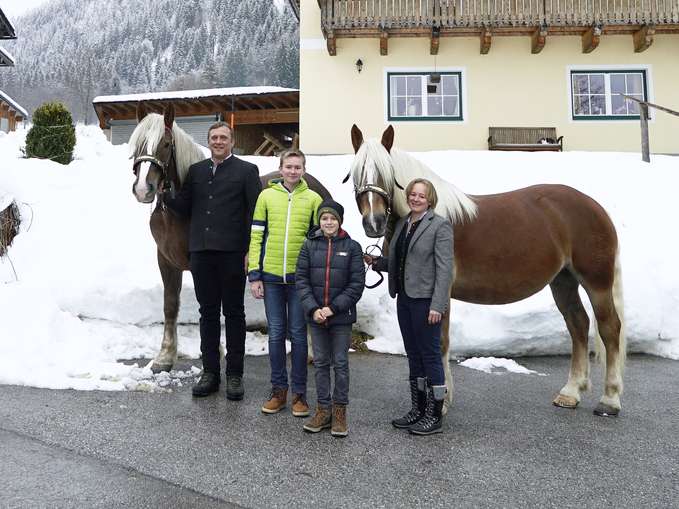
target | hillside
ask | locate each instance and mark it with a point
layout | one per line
(74, 50)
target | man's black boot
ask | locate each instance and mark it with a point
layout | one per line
(418, 400)
(234, 387)
(208, 383)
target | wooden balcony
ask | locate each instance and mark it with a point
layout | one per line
(536, 18)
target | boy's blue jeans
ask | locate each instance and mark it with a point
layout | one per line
(286, 319)
(331, 348)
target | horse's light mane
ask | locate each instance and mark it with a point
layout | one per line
(377, 153)
(399, 166)
(148, 134)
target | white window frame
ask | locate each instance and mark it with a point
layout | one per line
(607, 70)
(427, 71)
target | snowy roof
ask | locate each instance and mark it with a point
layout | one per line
(6, 29)
(13, 104)
(6, 58)
(193, 94)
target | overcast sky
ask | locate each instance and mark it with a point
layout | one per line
(15, 8)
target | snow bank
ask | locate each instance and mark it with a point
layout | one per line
(89, 293)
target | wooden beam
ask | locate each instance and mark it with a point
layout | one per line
(486, 38)
(590, 39)
(12, 125)
(435, 39)
(331, 43)
(643, 38)
(290, 116)
(538, 40)
(384, 43)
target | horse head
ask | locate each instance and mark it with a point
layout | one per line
(373, 179)
(153, 150)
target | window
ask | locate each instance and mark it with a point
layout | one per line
(596, 94)
(424, 96)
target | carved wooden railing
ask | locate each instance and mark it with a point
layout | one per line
(410, 14)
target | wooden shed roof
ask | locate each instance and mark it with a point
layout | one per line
(249, 105)
(13, 105)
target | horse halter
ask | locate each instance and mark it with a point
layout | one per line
(154, 160)
(372, 188)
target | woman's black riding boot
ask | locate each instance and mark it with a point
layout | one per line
(432, 420)
(418, 399)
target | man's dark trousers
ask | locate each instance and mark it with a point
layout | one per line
(219, 281)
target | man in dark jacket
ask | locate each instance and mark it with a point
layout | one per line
(330, 280)
(219, 196)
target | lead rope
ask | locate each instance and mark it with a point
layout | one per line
(375, 252)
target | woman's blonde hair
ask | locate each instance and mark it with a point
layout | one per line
(430, 193)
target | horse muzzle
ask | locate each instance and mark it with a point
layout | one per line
(375, 225)
(143, 194)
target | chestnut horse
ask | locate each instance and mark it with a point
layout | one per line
(162, 154)
(509, 246)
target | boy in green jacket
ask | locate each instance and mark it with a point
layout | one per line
(284, 213)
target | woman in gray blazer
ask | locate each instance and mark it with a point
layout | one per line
(420, 266)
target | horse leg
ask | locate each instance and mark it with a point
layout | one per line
(445, 344)
(565, 291)
(172, 285)
(607, 307)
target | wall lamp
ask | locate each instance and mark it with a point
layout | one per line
(359, 65)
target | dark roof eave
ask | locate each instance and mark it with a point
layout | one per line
(6, 28)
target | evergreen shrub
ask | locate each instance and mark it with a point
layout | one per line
(52, 135)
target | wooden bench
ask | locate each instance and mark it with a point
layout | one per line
(531, 139)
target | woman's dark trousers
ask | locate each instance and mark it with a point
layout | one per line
(422, 341)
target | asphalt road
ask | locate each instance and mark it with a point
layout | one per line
(504, 445)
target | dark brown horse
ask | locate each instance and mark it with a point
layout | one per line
(509, 246)
(162, 154)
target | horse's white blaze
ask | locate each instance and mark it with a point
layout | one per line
(141, 189)
(371, 215)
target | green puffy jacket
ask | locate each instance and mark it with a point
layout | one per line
(279, 226)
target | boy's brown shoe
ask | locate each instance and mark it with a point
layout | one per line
(339, 421)
(300, 408)
(320, 421)
(276, 402)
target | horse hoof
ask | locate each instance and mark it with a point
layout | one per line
(603, 410)
(159, 368)
(565, 401)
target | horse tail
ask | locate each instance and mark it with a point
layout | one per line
(620, 310)
(618, 303)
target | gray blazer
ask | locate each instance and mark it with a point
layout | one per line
(429, 262)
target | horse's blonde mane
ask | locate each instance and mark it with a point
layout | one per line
(379, 156)
(399, 166)
(148, 134)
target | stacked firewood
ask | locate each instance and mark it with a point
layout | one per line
(10, 220)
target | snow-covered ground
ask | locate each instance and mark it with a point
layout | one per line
(89, 293)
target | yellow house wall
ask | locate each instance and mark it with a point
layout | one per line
(507, 87)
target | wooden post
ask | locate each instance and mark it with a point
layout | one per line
(384, 43)
(643, 110)
(486, 39)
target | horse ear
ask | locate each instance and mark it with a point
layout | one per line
(141, 111)
(169, 115)
(356, 137)
(388, 138)
(346, 178)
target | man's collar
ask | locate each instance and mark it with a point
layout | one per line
(217, 163)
